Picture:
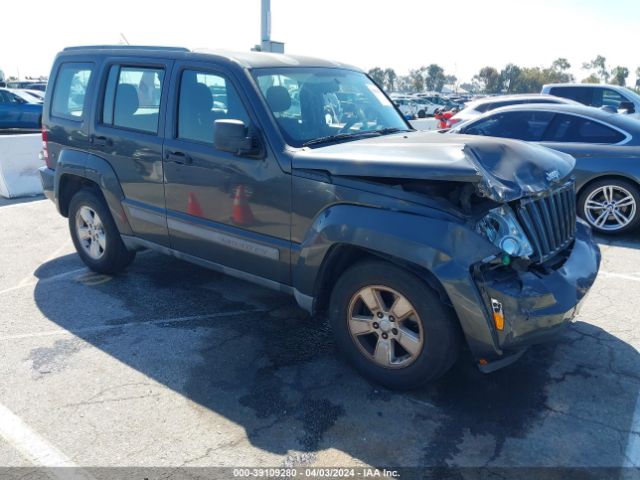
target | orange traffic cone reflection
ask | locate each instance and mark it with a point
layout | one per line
(193, 206)
(241, 214)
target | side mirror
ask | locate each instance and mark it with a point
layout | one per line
(233, 136)
(628, 106)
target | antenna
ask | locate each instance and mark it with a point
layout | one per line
(124, 38)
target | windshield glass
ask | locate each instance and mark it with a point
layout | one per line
(313, 105)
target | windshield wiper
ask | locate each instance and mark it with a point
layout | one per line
(341, 136)
(338, 136)
(387, 131)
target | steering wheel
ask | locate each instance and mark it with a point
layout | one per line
(352, 117)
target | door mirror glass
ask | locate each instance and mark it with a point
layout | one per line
(233, 136)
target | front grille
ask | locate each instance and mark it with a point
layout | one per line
(549, 220)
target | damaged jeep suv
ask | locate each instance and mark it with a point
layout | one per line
(300, 175)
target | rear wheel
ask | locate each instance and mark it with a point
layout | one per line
(95, 234)
(611, 206)
(392, 326)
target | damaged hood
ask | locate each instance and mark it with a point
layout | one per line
(502, 169)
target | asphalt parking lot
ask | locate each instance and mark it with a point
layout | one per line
(172, 365)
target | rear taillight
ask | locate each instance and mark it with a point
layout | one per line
(45, 149)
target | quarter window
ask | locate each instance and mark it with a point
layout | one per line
(70, 90)
(526, 125)
(569, 128)
(132, 98)
(205, 98)
(579, 94)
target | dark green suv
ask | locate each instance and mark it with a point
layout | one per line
(300, 175)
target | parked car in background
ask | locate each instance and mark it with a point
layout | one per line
(406, 105)
(27, 84)
(16, 111)
(606, 147)
(28, 95)
(39, 94)
(613, 96)
(410, 242)
(478, 107)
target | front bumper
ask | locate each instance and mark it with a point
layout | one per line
(538, 303)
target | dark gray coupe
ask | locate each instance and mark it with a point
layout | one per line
(606, 147)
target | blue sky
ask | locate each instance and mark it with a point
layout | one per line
(462, 36)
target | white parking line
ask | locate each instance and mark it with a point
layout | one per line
(44, 280)
(619, 275)
(36, 449)
(632, 453)
(102, 328)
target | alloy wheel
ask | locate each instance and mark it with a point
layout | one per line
(385, 326)
(610, 208)
(90, 231)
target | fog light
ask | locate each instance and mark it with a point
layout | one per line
(498, 314)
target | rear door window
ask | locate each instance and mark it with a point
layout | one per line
(132, 98)
(573, 129)
(70, 89)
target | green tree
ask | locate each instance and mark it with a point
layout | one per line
(417, 79)
(560, 65)
(469, 87)
(599, 64)
(377, 75)
(619, 76)
(434, 77)
(488, 80)
(558, 72)
(509, 77)
(593, 78)
(390, 76)
(404, 83)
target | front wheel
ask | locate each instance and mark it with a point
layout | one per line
(392, 326)
(95, 235)
(611, 206)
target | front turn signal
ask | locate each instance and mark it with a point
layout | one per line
(498, 314)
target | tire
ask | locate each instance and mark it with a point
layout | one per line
(621, 197)
(95, 235)
(431, 322)
(422, 114)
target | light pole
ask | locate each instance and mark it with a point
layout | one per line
(266, 44)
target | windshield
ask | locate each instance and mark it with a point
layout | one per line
(318, 105)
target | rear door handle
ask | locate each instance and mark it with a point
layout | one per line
(180, 158)
(101, 141)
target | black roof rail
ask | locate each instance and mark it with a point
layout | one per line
(126, 47)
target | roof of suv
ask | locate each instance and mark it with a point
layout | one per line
(245, 59)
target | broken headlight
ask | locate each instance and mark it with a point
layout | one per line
(501, 228)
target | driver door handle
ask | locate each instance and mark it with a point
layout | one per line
(180, 158)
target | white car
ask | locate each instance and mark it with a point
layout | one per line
(613, 96)
(483, 105)
(406, 105)
(28, 97)
(39, 94)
